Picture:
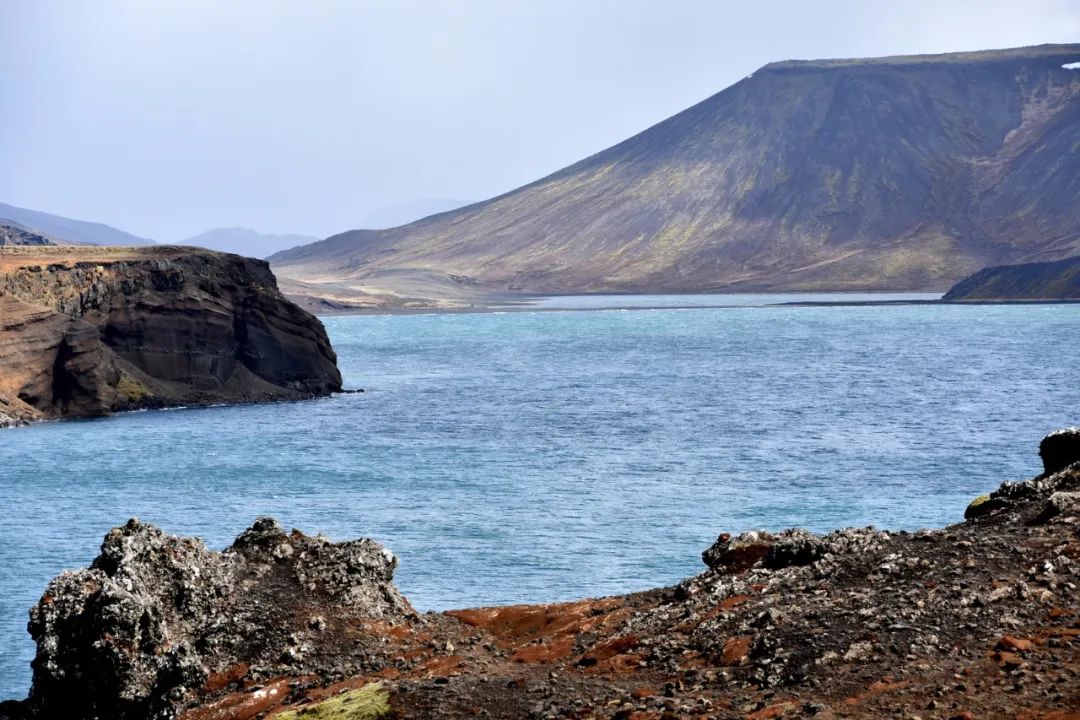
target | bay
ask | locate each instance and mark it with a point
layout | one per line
(544, 455)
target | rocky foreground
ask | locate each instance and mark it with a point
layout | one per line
(977, 620)
(88, 331)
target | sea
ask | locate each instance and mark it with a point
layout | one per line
(578, 446)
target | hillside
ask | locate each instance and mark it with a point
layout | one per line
(66, 230)
(890, 173)
(17, 235)
(1032, 281)
(245, 241)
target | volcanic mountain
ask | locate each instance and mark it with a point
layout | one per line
(891, 173)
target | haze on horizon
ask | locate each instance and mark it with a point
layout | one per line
(166, 119)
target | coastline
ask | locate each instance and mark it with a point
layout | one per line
(977, 619)
(525, 307)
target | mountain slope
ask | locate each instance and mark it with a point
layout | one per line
(1032, 281)
(891, 173)
(62, 229)
(17, 235)
(406, 212)
(247, 242)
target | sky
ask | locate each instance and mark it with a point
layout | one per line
(170, 117)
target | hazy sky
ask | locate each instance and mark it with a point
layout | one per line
(167, 118)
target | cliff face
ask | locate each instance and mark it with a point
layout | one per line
(979, 619)
(889, 173)
(1032, 281)
(90, 331)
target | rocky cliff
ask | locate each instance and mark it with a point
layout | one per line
(89, 331)
(1031, 281)
(977, 620)
(896, 173)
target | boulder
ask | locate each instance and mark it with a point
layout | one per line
(156, 616)
(1060, 449)
(773, 551)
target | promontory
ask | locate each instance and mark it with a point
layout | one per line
(88, 331)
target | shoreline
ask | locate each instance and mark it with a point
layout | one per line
(980, 618)
(526, 308)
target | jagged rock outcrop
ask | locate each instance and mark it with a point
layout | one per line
(89, 331)
(1060, 449)
(157, 617)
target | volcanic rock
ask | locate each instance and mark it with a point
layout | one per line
(88, 331)
(1060, 449)
(157, 617)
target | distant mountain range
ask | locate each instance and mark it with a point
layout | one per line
(237, 240)
(247, 242)
(66, 230)
(889, 173)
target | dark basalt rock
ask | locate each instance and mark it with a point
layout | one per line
(156, 616)
(1060, 449)
(790, 548)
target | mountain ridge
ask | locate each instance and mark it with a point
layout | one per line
(246, 241)
(899, 173)
(69, 230)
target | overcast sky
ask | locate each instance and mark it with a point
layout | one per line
(167, 118)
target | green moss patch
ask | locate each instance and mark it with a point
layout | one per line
(370, 702)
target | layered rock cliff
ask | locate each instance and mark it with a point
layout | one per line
(977, 620)
(89, 331)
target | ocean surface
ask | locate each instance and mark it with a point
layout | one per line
(547, 455)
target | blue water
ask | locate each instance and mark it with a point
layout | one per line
(533, 456)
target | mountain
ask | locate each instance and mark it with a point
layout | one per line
(66, 230)
(890, 173)
(407, 212)
(1032, 281)
(15, 234)
(247, 242)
